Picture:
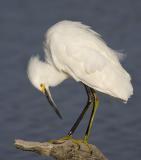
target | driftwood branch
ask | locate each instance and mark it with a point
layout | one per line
(63, 149)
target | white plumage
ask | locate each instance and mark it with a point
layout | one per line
(74, 50)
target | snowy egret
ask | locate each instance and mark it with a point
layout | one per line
(73, 49)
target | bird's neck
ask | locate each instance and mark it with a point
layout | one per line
(54, 76)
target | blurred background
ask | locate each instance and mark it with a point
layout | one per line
(25, 113)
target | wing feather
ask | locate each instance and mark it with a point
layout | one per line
(81, 53)
(82, 45)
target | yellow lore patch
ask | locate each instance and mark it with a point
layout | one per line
(42, 88)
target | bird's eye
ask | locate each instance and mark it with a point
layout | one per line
(41, 85)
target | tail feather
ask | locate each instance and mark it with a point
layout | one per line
(111, 80)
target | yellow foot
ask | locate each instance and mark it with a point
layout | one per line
(85, 140)
(66, 137)
(79, 143)
(61, 140)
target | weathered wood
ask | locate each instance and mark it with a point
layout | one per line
(63, 149)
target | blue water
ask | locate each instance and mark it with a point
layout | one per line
(25, 113)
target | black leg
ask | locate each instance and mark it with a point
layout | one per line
(88, 90)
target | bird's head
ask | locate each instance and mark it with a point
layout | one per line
(38, 73)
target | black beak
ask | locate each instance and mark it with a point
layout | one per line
(52, 103)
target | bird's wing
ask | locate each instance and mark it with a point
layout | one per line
(79, 41)
(82, 49)
(87, 58)
(88, 54)
(81, 53)
(97, 71)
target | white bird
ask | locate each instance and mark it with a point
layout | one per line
(73, 49)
